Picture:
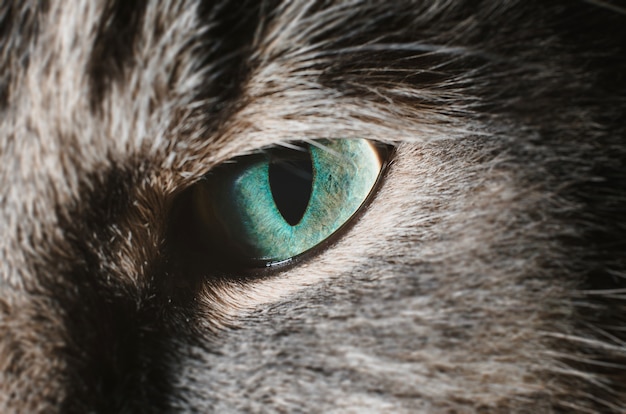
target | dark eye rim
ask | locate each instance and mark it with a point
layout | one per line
(249, 270)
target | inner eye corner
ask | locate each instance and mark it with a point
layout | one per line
(264, 213)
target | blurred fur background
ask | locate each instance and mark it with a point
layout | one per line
(487, 275)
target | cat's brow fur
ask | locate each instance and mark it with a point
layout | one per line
(486, 275)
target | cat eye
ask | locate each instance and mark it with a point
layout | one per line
(266, 209)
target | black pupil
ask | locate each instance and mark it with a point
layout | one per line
(291, 179)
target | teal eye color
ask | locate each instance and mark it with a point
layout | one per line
(270, 207)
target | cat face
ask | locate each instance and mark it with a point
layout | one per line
(484, 272)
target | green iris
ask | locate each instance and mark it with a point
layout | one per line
(274, 206)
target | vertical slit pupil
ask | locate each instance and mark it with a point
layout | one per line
(291, 181)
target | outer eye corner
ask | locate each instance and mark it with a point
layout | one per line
(269, 210)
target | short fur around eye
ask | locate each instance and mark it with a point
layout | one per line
(487, 275)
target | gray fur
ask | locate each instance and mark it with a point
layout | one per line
(487, 275)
